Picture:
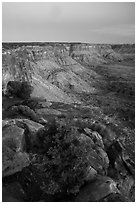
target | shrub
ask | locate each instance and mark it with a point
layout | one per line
(26, 90)
(14, 88)
(63, 161)
(19, 89)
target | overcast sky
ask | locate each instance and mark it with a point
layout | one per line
(81, 22)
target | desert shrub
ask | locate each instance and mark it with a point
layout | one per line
(25, 111)
(32, 103)
(63, 161)
(19, 89)
(14, 87)
(26, 90)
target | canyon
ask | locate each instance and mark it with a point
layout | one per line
(68, 126)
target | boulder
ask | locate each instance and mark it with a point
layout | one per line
(84, 138)
(97, 189)
(96, 162)
(104, 157)
(97, 139)
(13, 145)
(129, 163)
(14, 138)
(91, 174)
(114, 197)
(126, 187)
(31, 128)
(95, 136)
(13, 162)
(13, 192)
(108, 136)
(96, 156)
(6, 123)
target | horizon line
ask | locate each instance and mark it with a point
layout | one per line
(65, 42)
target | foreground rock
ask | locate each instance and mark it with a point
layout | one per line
(29, 128)
(13, 192)
(88, 163)
(13, 137)
(13, 157)
(96, 190)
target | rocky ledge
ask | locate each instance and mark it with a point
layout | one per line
(76, 160)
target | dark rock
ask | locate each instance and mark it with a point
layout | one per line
(96, 190)
(113, 152)
(31, 183)
(114, 197)
(13, 192)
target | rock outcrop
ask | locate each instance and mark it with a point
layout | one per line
(97, 189)
(83, 161)
(14, 159)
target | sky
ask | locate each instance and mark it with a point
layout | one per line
(91, 22)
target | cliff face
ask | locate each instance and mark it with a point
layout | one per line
(94, 54)
(56, 70)
(124, 48)
(127, 51)
(16, 66)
